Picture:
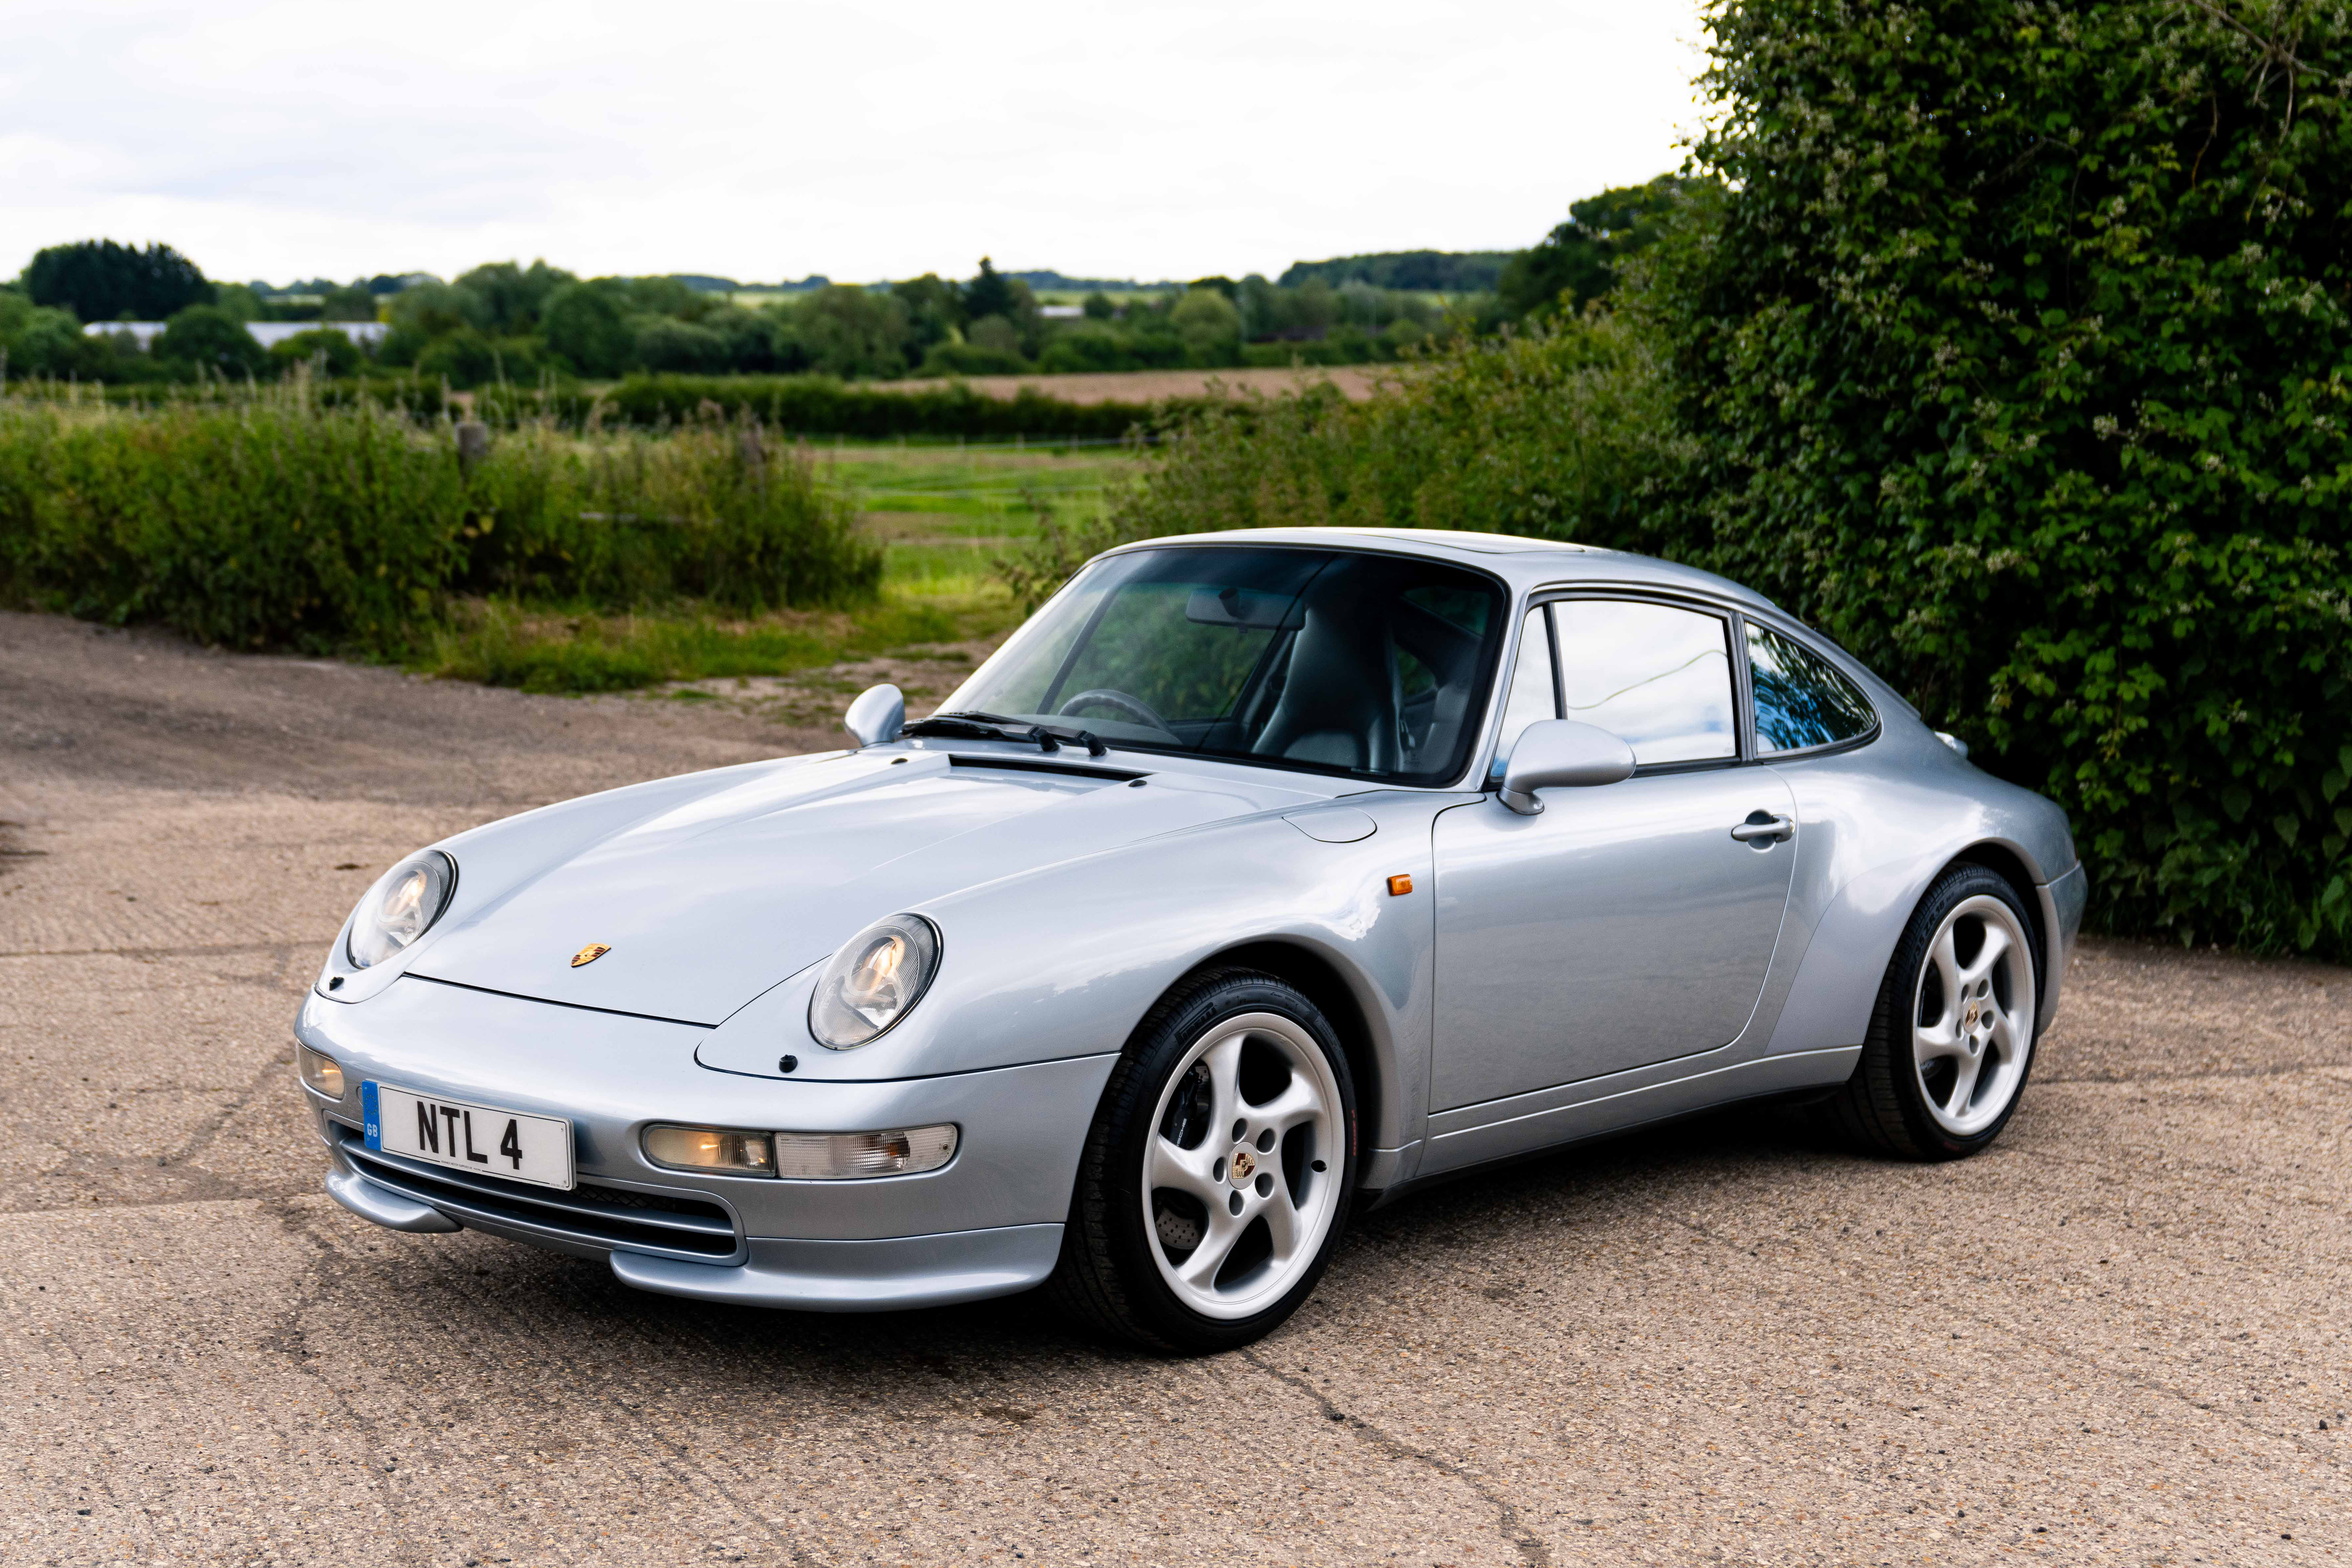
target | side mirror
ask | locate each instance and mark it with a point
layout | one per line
(878, 715)
(1554, 754)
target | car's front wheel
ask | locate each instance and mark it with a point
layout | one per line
(1952, 1037)
(1216, 1176)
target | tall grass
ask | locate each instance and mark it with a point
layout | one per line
(279, 522)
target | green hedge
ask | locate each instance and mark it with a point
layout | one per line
(820, 406)
(419, 396)
(288, 524)
(2021, 361)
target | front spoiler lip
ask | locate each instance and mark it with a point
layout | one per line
(896, 1274)
(899, 1274)
(382, 1206)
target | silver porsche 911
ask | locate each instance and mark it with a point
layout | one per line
(1259, 877)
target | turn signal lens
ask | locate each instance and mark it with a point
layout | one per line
(321, 1072)
(709, 1149)
(846, 1156)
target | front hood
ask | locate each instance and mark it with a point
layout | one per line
(710, 900)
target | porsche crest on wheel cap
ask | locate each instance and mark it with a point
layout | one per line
(591, 953)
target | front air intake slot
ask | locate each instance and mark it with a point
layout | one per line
(591, 1213)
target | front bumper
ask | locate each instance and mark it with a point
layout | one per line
(988, 1223)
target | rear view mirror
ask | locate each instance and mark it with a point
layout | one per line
(1561, 753)
(878, 715)
(1241, 607)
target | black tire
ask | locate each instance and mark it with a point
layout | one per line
(1884, 1108)
(1107, 1277)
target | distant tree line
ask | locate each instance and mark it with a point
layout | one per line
(505, 323)
(1421, 271)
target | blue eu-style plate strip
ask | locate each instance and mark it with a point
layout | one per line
(368, 1113)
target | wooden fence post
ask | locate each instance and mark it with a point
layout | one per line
(473, 445)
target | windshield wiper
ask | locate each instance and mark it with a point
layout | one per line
(997, 727)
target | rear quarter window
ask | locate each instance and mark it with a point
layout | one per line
(1801, 699)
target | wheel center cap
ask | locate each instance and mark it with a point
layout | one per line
(1243, 1165)
(1973, 1014)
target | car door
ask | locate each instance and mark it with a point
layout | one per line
(1624, 924)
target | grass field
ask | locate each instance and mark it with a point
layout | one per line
(940, 512)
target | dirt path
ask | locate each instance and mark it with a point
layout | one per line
(2118, 1338)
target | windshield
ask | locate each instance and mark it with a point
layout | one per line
(1364, 665)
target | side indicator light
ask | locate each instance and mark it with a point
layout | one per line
(1399, 886)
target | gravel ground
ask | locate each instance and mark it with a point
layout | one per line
(2119, 1337)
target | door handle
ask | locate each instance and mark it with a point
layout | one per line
(1763, 825)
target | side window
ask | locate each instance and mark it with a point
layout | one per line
(1656, 677)
(1801, 700)
(1531, 689)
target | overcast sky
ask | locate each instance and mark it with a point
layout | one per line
(868, 141)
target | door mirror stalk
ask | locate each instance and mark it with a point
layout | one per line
(1561, 753)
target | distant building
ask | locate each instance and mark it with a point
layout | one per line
(1062, 312)
(268, 334)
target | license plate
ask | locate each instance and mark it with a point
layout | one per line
(477, 1138)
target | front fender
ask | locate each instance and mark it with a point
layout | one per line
(1066, 961)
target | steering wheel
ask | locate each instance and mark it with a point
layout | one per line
(1135, 707)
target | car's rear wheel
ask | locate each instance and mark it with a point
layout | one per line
(1217, 1174)
(1951, 1039)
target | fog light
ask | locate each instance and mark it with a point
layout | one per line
(322, 1073)
(709, 1149)
(843, 1156)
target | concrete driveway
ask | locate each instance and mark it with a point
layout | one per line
(2120, 1337)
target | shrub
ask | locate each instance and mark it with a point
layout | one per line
(332, 351)
(848, 332)
(2022, 361)
(248, 527)
(972, 359)
(282, 521)
(467, 358)
(39, 340)
(664, 344)
(584, 327)
(1090, 347)
(716, 512)
(1210, 326)
(816, 405)
(210, 341)
(1559, 430)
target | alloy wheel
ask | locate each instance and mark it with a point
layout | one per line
(1240, 1179)
(1972, 1016)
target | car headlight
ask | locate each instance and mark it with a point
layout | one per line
(402, 907)
(874, 981)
